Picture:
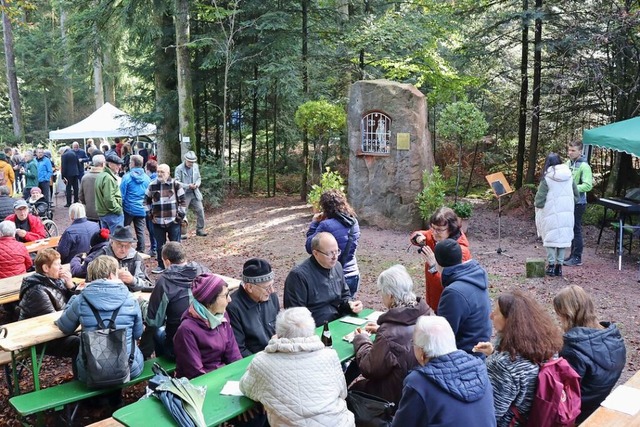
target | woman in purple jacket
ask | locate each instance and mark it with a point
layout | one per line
(204, 340)
(339, 218)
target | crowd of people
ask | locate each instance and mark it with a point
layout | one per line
(432, 357)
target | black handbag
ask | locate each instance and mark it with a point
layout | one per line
(369, 410)
(107, 361)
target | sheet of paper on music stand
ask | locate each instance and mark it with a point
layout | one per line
(353, 320)
(499, 184)
(624, 399)
(231, 388)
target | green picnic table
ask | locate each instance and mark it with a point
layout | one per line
(218, 408)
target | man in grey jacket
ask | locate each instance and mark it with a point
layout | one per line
(188, 175)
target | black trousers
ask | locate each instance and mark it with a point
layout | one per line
(72, 184)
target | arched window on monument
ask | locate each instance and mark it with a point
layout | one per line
(376, 133)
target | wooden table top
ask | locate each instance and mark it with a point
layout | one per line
(38, 245)
(218, 408)
(605, 417)
(26, 333)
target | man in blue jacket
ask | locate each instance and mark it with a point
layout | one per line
(133, 187)
(45, 170)
(465, 300)
(450, 388)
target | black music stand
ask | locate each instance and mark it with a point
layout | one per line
(500, 188)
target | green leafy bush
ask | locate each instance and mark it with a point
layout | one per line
(595, 214)
(462, 209)
(432, 195)
(329, 180)
(215, 182)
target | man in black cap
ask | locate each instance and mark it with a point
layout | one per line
(465, 300)
(254, 307)
(170, 296)
(108, 196)
(131, 269)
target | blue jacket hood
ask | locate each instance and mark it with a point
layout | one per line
(602, 347)
(459, 374)
(138, 175)
(468, 272)
(106, 294)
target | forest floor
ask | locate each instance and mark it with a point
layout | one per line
(274, 228)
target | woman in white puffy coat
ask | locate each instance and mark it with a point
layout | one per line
(297, 379)
(554, 202)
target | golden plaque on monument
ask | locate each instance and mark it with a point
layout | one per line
(403, 141)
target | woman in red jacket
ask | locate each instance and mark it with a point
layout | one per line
(14, 257)
(444, 224)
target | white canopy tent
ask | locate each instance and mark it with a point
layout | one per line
(106, 121)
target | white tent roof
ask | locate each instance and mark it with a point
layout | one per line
(106, 121)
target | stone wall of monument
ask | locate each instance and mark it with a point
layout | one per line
(389, 148)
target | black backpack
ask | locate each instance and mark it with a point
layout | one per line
(106, 359)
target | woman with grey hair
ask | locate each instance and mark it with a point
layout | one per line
(14, 257)
(76, 239)
(297, 379)
(384, 363)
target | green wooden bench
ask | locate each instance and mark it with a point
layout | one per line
(64, 395)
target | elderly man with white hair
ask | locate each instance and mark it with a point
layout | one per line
(165, 205)
(88, 185)
(297, 379)
(450, 388)
(76, 239)
(14, 257)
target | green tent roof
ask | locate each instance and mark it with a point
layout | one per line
(619, 136)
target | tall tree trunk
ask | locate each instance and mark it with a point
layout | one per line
(305, 89)
(537, 81)
(254, 129)
(165, 85)
(524, 93)
(69, 107)
(12, 77)
(239, 135)
(275, 134)
(183, 66)
(98, 88)
(109, 73)
(266, 137)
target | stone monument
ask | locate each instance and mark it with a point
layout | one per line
(389, 148)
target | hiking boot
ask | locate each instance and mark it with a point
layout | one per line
(201, 233)
(550, 270)
(152, 253)
(574, 261)
(557, 271)
(157, 270)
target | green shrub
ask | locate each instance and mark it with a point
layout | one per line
(462, 209)
(594, 215)
(432, 195)
(215, 182)
(330, 180)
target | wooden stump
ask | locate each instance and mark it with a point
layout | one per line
(535, 267)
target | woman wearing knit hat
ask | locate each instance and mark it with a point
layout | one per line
(204, 340)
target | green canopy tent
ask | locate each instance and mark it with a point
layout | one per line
(620, 136)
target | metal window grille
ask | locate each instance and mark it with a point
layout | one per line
(376, 133)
